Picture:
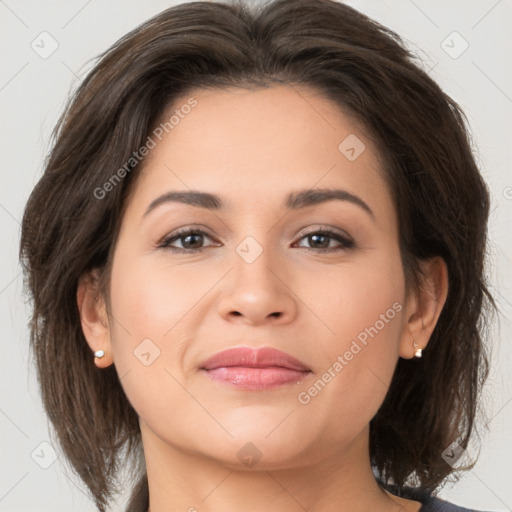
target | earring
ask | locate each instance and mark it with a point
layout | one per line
(99, 354)
(418, 349)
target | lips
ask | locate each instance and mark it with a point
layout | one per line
(255, 369)
(266, 357)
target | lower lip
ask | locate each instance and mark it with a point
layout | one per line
(256, 378)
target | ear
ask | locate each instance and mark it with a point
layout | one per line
(423, 307)
(94, 318)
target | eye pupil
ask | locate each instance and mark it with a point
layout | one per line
(316, 236)
(186, 240)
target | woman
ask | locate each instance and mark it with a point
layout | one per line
(257, 262)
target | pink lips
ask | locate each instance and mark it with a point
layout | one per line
(256, 369)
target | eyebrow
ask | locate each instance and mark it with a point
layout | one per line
(294, 201)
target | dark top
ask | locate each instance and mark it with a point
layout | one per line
(429, 503)
(140, 499)
(433, 504)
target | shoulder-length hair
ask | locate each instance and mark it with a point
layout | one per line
(73, 215)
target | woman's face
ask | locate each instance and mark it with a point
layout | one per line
(254, 273)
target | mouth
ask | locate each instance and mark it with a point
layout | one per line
(256, 378)
(255, 369)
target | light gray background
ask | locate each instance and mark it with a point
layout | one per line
(33, 91)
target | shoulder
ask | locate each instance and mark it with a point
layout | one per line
(430, 503)
(434, 504)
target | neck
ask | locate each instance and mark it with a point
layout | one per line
(341, 482)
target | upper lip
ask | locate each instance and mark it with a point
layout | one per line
(265, 357)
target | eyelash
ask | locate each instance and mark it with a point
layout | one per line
(182, 233)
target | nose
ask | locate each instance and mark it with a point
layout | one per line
(258, 292)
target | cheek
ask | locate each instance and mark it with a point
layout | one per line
(361, 296)
(149, 304)
(363, 309)
(155, 307)
(150, 297)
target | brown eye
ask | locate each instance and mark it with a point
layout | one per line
(191, 240)
(321, 241)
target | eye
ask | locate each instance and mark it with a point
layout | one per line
(190, 239)
(321, 240)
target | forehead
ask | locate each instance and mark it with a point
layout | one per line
(253, 147)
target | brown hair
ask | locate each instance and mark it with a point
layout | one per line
(441, 200)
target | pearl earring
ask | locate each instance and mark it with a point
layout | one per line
(418, 349)
(99, 354)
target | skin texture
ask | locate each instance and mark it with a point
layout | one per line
(252, 148)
